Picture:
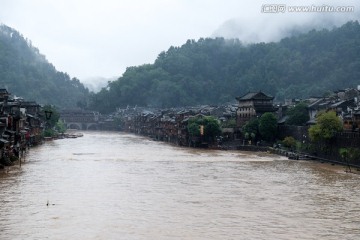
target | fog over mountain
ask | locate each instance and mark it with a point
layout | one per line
(95, 84)
(88, 38)
(272, 27)
(216, 70)
(26, 72)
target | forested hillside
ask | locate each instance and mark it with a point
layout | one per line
(213, 71)
(27, 73)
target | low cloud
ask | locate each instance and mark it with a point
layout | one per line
(269, 27)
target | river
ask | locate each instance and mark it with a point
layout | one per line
(108, 185)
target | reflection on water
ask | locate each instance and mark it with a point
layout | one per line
(119, 186)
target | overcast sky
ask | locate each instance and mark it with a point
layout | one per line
(100, 38)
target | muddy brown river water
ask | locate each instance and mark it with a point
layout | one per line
(108, 185)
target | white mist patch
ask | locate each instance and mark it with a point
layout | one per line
(272, 27)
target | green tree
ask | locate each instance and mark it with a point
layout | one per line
(213, 71)
(26, 72)
(289, 142)
(349, 155)
(251, 128)
(60, 126)
(231, 123)
(298, 115)
(194, 128)
(210, 124)
(50, 115)
(268, 126)
(327, 125)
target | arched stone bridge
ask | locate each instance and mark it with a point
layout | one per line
(80, 119)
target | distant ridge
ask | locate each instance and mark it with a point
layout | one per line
(214, 71)
(25, 72)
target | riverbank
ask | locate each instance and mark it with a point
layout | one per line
(65, 135)
(305, 156)
(21, 126)
(12, 155)
(237, 145)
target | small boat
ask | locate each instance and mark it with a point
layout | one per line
(73, 135)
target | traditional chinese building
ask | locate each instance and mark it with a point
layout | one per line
(252, 105)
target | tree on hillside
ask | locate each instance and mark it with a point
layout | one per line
(327, 125)
(215, 71)
(268, 126)
(27, 73)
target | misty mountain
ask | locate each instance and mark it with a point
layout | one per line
(95, 84)
(25, 72)
(214, 71)
(274, 27)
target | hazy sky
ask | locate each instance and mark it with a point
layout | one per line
(90, 38)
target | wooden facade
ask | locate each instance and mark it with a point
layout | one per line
(167, 125)
(252, 105)
(20, 127)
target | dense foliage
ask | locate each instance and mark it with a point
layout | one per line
(268, 126)
(206, 126)
(289, 142)
(214, 71)
(25, 72)
(50, 115)
(298, 115)
(349, 155)
(251, 129)
(327, 125)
